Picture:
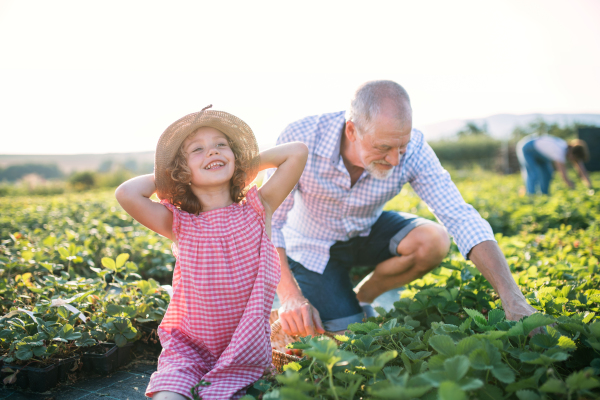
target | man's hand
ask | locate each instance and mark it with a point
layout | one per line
(490, 261)
(296, 315)
(518, 310)
(299, 318)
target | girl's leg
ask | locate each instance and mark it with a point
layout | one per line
(546, 176)
(168, 396)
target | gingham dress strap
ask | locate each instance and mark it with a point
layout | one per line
(177, 216)
(253, 199)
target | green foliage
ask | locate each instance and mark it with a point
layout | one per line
(446, 337)
(90, 180)
(448, 329)
(112, 179)
(472, 146)
(15, 172)
(53, 315)
(414, 353)
(498, 201)
(541, 127)
(93, 223)
(472, 129)
(84, 180)
(26, 188)
(468, 150)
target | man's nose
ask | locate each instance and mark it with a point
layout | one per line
(394, 157)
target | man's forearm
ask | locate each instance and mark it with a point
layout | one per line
(490, 261)
(288, 287)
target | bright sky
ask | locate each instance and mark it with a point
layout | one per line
(110, 76)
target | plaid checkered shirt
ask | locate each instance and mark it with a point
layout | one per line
(324, 208)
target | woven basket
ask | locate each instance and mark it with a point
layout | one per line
(279, 340)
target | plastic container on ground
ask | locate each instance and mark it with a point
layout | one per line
(65, 366)
(42, 379)
(37, 379)
(104, 363)
(124, 354)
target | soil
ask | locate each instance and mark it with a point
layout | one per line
(97, 349)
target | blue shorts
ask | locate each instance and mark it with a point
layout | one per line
(332, 292)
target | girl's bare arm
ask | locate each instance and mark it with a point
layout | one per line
(289, 159)
(134, 197)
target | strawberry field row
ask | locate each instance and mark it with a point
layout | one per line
(76, 271)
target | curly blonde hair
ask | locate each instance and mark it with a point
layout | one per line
(180, 192)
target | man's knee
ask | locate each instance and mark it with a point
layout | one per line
(430, 244)
(433, 246)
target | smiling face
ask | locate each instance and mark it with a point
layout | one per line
(209, 157)
(380, 149)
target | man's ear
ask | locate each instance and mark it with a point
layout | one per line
(350, 131)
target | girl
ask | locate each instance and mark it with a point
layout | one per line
(216, 328)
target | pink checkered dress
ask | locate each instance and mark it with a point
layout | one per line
(217, 325)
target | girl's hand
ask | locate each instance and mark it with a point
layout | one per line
(289, 159)
(134, 197)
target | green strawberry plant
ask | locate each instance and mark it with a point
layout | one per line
(445, 338)
(47, 333)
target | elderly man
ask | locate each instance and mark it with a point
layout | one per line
(358, 161)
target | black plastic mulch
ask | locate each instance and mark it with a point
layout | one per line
(128, 383)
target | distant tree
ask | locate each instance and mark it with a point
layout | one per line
(84, 180)
(105, 166)
(472, 129)
(146, 168)
(15, 172)
(130, 165)
(519, 133)
(541, 127)
(114, 178)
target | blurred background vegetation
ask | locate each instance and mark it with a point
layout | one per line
(49, 179)
(472, 147)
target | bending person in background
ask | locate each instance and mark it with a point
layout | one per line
(537, 154)
(359, 160)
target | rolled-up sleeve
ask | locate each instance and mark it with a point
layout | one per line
(433, 185)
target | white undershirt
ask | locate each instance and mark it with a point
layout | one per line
(552, 147)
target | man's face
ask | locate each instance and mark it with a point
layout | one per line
(381, 148)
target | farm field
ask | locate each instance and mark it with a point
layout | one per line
(446, 338)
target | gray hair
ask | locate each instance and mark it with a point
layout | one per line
(368, 98)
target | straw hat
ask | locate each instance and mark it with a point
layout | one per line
(237, 131)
